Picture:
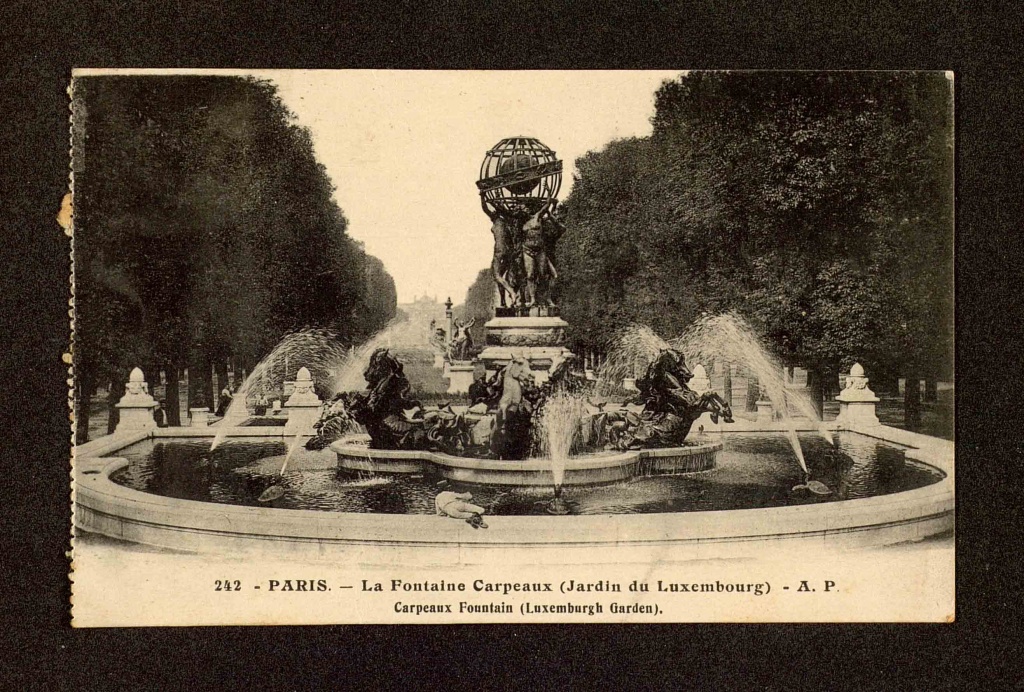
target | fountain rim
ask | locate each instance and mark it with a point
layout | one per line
(588, 469)
(102, 506)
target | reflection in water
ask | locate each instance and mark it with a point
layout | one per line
(754, 471)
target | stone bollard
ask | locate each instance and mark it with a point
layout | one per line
(856, 401)
(199, 417)
(303, 406)
(700, 383)
(460, 374)
(136, 406)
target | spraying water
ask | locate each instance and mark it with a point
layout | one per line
(561, 423)
(334, 366)
(724, 338)
(276, 491)
(319, 350)
(633, 348)
(730, 338)
(398, 334)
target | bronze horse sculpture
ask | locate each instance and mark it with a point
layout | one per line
(382, 410)
(517, 399)
(670, 407)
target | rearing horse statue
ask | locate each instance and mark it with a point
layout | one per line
(510, 432)
(670, 406)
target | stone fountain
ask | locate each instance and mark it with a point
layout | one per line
(506, 435)
(494, 440)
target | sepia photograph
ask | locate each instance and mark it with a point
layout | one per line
(417, 346)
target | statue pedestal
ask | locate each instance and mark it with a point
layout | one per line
(135, 409)
(525, 331)
(857, 401)
(301, 419)
(303, 406)
(460, 376)
(537, 339)
(199, 417)
(857, 412)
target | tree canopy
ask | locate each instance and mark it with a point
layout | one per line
(205, 228)
(817, 205)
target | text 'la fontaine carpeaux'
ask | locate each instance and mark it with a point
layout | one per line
(444, 585)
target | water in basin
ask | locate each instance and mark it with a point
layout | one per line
(754, 470)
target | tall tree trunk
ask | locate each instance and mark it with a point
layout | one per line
(113, 396)
(931, 390)
(221, 367)
(912, 404)
(211, 393)
(753, 392)
(727, 383)
(151, 371)
(815, 385)
(829, 385)
(200, 394)
(172, 396)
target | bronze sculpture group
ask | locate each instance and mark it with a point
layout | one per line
(509, 406)
(518, 185)
(523, 265)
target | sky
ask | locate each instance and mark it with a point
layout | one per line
(403, 149)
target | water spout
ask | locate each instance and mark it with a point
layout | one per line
(721, 338)
(561, 426)
(319, 350)
(729, 338)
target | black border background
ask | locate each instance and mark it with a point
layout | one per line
(42, 42)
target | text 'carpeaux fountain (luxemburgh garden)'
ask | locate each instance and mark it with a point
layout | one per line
(629, 457)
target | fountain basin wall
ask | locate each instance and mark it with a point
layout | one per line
(104, 507)
(586, 470)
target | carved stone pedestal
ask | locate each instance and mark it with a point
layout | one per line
(303, 406)
(765, 411)
(540, 340)
(460, 376)
(199, 417)
(135, 409)
(856, 401)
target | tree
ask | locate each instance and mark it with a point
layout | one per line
(817, 205)
(479, 305)
(200, 203)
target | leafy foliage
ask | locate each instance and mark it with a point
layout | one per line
(205, 228)
(819, 206)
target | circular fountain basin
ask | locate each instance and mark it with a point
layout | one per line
(103, 505)
(589, 469)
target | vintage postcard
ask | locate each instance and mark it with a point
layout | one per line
(422, 347)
